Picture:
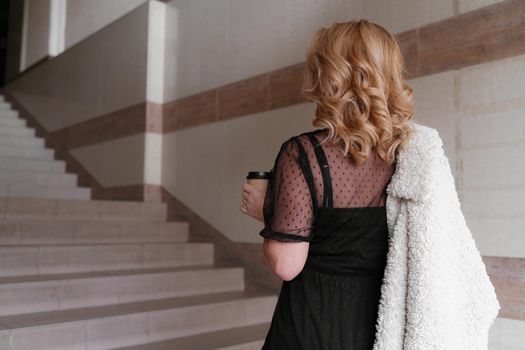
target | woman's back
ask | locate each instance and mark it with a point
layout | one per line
(299, 180)
(319, 196)
(352, 185)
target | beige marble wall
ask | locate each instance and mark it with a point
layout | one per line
(491, 106)
(102, 74)
(210, 44)
(475, 109)
(435, 106)
(400, 15)
(506, 334)
(115, 163)
(156, 52)
(207, 44)
(205, 166)
(222, 41)
(35, 36)
(469, 5)
(87, 17)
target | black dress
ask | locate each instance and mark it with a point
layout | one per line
(332, 303)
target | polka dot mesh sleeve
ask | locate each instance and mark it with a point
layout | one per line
(288, 211)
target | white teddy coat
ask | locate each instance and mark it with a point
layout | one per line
(436, 293)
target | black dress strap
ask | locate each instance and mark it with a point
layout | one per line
(307, 171)
(325, 171)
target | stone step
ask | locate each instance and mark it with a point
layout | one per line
(41, 191)
(26, 152)
(110, 327)
(22, 141)
(62, 292)
(64, 209)
(8, 113)
(238, 338)
(55, 232)
(39, 165)
(11, 120)
(60, 259)
(8, 176)
(7, 130)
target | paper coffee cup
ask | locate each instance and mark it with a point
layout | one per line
(259, 179)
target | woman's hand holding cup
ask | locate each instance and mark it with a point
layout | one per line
(253, 193)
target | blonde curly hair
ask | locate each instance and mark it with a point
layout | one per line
(355, 75)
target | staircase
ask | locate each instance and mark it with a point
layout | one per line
(27, 169)
(94, 274)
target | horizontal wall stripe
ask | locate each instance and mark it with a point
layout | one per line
(138, 192)
(124, 122)
(241, 98)
(191, 111)
(261, 93)
(140, 118)
(408, 43)
(483, 35)
(276, 89)
(154, 117)
(285, 86)
(486, 34)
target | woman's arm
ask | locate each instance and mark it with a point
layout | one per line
(284, 259)
(286, 211)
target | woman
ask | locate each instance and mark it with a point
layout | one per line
(330, 193)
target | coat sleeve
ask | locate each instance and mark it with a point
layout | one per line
(451, 302)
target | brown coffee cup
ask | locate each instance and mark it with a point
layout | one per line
(259, 179)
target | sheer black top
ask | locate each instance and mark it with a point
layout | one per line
(296, 189)
(317, 195)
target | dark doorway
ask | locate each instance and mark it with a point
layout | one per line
(4, 23)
